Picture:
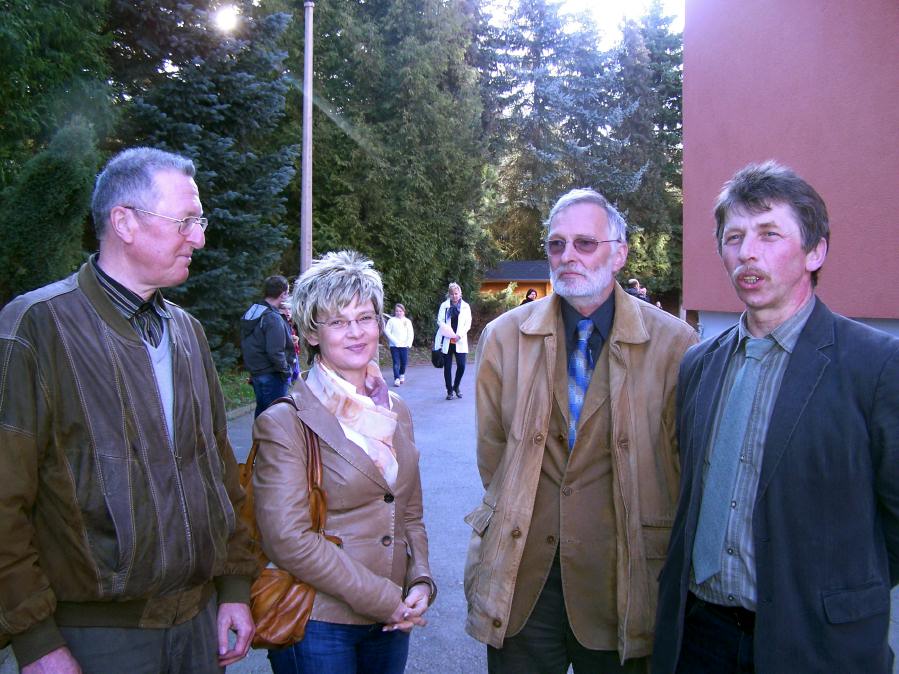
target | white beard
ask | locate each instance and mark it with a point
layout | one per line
(593, 284)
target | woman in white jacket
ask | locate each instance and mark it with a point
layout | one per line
(399, 336)
(453, 322)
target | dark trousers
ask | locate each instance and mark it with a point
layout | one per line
(546, 644)
(716, 639)
(268, 388)
(343, 649)
(400, 356)
(188, 648)
(453, 384)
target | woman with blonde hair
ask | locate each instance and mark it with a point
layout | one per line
(376, 586)
(453, 323)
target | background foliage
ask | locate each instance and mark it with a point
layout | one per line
(443, 132)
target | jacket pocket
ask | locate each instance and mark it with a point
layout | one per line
(476, 573)
(655, 539)
(846, 606)
(110, 521)
(479, 518)
(655, 547)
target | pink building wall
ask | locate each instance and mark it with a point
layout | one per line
(813, 84)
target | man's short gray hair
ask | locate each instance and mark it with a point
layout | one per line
(127, 180)
(617, 225)
(330, 284)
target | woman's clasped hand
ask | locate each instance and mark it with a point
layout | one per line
(410, 612)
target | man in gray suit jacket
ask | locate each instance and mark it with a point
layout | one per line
(786, 539)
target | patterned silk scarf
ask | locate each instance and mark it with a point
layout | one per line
(367, 419)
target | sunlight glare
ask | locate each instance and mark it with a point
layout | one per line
(609, 14)
(226, 18)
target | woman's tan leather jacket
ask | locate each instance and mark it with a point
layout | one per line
(385, 547)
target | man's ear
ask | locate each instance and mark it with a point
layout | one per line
(122, 223)
(620, 257)
(814, 259)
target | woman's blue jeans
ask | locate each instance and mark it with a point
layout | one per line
(453, 384)
(343, 649)
(399, 355)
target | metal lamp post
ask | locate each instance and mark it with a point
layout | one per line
(306, 182)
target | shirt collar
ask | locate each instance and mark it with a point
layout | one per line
(602, 318)
(787, 333)
(126, 301)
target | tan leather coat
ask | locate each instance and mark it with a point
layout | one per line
(385, 547)
(517, 380)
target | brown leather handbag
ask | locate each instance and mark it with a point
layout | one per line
(281, 604)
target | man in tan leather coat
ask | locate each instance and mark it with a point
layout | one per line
(579, 496)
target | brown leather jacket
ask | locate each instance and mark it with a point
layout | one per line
(102, 520)
(385, 547)
(517, 380)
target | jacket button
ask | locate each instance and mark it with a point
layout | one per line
(497, 623)
(516, 533)
(388, 498)
(386, 541)
(566, 491)
(551, 540)
(538, 439)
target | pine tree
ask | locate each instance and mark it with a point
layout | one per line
(556, 119)
(649, 86)
(52, 71)
(396, 136)
(42, 214)
(219, 100)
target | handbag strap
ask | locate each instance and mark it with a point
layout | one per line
(251, 457)
(318, 500)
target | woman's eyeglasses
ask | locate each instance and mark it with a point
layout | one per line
(365, 322)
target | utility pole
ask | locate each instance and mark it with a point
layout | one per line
(306, 181)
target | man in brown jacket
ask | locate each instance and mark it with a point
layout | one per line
(576, 450)
(121, 551)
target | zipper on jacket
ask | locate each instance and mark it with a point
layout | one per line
(170, 439)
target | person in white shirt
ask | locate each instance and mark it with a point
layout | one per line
(399, 335)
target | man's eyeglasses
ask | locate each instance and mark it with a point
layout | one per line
(185, 225)
(581, 245)
(365, 322)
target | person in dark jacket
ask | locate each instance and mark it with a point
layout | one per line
(267, 344)
(121, 547)
(529, 296)
(287, 315)
(636, 290)
(786, 540)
